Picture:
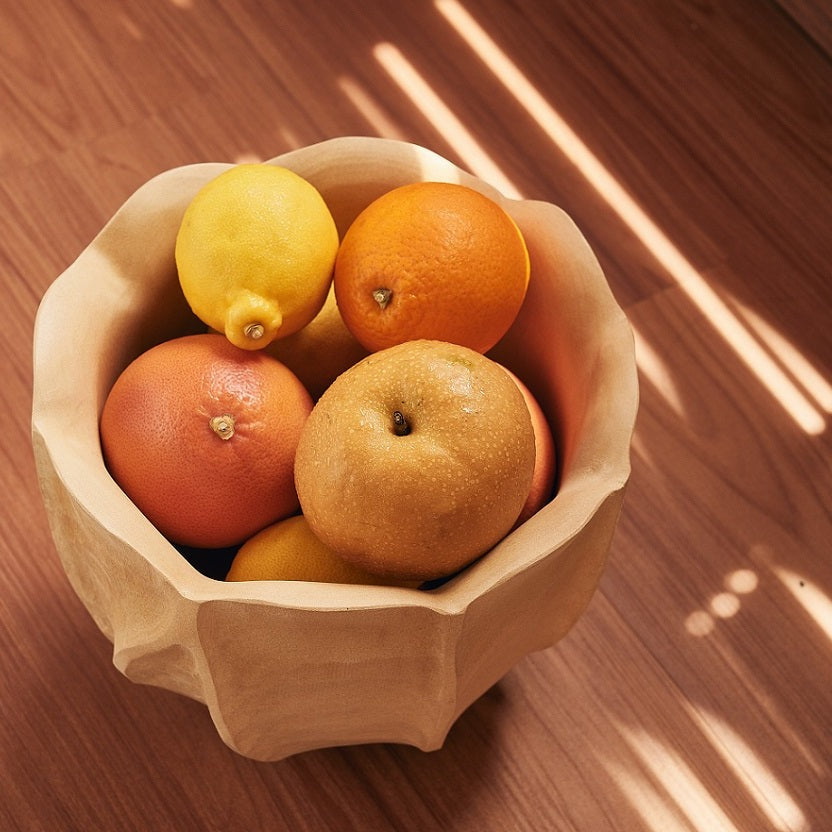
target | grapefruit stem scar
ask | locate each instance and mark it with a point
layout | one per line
(223, 425)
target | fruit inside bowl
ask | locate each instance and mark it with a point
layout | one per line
(286, 666)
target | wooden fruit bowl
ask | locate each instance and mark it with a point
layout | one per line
(285, 667)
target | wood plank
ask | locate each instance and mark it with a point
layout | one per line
(815, 19)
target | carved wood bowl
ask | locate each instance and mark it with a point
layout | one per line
(283, 666)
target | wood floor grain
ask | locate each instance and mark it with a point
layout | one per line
(692, 143)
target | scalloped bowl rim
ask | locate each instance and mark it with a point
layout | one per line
(524, 546)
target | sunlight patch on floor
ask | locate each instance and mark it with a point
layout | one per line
(655, 811)
(814, 601)
(724, 604)
(425, 98)
(130, 26)
(369, 107)
(792, 359)
(290, 137)
(656, 371)
(745, 345)
(770, 795)
(640, 448)
(738, 336)
(811, 597)
(669, 769)
(700, 623)
(742, 581)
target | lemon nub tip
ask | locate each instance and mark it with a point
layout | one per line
(254, 330)
(253, 335)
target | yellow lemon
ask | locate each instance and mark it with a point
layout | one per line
(255, 253)
(289, 551)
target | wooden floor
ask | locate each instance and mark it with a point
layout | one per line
(692, 143)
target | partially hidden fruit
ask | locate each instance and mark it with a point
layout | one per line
(321, 351)
(431, 260)
(255, 253)
(417, 460)
(289, 551)
(202, 435)
(545, 459)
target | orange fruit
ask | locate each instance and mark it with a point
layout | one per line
(545, 459)
(321, 351)
(417, 460)
(431, 260)
(201, 436)
(289, 551)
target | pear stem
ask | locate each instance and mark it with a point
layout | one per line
(400, 425)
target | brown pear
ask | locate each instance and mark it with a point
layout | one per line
(417, 460)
